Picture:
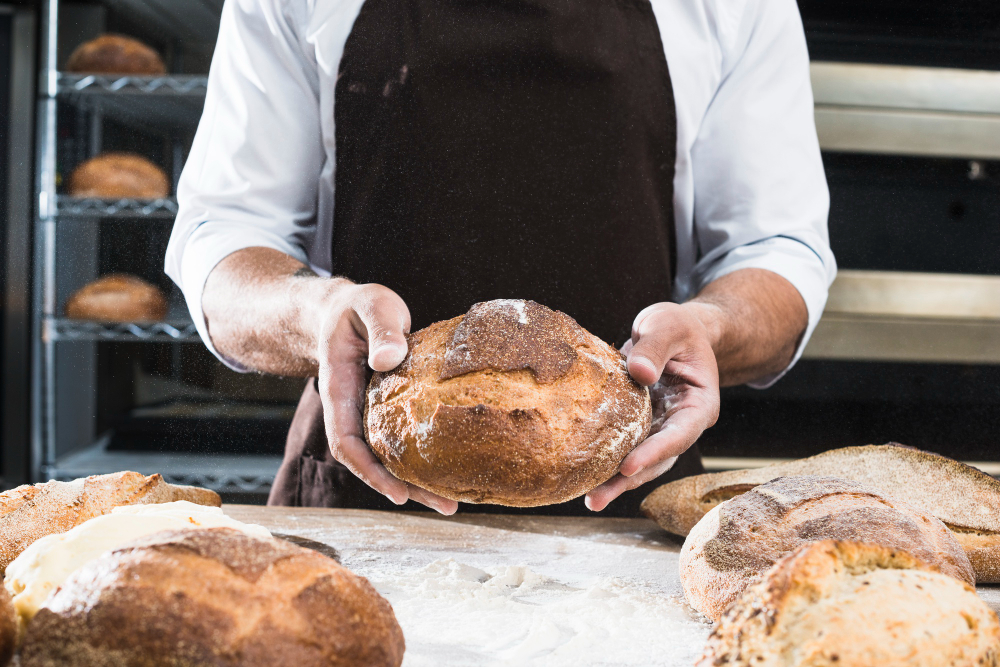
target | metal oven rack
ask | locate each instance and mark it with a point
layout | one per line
(169, 104)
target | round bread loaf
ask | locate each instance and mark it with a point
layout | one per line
(117, 297)
(741, 538)
(512, 403)
(8, 627)
(855, 605)
(213, 597)
(115, 54)
(119, 176)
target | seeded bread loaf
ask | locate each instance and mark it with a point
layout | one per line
(741, 538)
(967, 500)
(512, 404)
(845, 604)
(30, 512)
(218, 597)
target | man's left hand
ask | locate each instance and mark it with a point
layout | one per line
(671, 353)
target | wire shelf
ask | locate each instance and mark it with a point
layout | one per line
(95, 207)
(158, 103)
(111, 84)
(65, 329)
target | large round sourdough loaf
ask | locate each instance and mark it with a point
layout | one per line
(846, 604)
(741, 538)
(512, 403)
(216, 597)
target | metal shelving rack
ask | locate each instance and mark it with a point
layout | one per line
(160, 103)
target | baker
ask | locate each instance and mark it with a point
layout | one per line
(364, 168)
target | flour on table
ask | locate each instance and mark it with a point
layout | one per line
(456, 614)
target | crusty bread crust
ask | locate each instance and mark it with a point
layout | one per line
(30, 512)
(117, 297)
(512, 404)
(119, 176)
(847, 604)
(8, 627)
(214, 597)
(741, 538)
(115, 54)
(967, 500)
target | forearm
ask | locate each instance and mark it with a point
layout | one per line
(755, 320)
(264, 309)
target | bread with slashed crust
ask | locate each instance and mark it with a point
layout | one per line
(967, 500)
(846, 604)
(511, 403)
(8, 627)
(32, 511)
(216, 597)
(741, 538)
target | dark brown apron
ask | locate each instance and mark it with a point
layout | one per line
(498, 149)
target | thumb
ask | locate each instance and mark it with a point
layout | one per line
(653, 342)
(385, 320)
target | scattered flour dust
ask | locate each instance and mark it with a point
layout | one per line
(455, 614)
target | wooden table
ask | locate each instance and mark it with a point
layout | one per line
(405, 555)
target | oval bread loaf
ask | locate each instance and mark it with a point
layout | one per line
(512, 403)
(217, 597)
(118, 297)
(741, 538)
(116, 175)
(847, 604)
(115, 54)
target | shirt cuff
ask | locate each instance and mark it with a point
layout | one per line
(209, 244)
(794, 261)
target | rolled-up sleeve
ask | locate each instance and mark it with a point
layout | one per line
(252, 174)
(761, 199)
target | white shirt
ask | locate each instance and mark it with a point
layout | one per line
(749, 189)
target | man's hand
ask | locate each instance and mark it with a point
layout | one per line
(363, 323)
(671, 352)
(742, 326)
(272, 314)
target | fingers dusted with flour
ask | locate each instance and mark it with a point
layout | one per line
(268, 312)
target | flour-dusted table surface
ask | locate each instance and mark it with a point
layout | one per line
(479, 589)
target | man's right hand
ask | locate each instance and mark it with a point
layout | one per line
(363, 323)
(270, 313)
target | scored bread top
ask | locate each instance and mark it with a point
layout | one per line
(958, 494)
(508, 335)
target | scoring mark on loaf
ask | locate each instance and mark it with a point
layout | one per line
(511, 335)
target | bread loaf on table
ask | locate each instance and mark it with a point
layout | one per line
(117, 298)
(8, 627)
(116, 175)
(845, 604)
(967, 500)
(30, 512)
(115, 54)
(213, 597)
(741, 538)
(511, 403)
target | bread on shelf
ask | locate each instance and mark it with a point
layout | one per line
(118, 175)
(117, 297)
(854, 605)
(115, 54)
(741, 538)
(214, 596)
(512, 403)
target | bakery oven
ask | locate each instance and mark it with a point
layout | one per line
(909, 120)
